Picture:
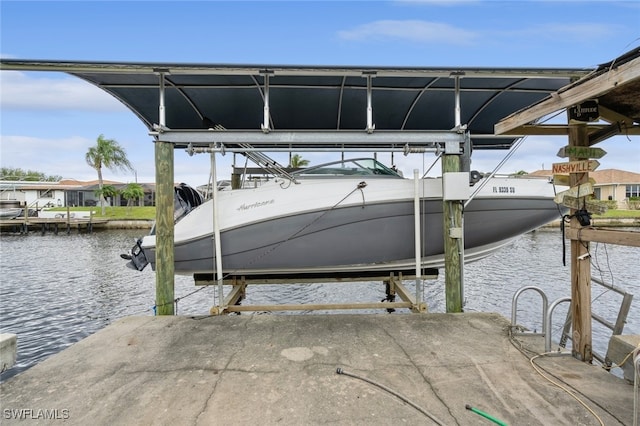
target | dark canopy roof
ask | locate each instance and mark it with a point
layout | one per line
(318, 98)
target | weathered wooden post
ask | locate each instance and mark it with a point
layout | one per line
(452, 230)
(455, 187)
(236, 181)
(580, 263)
(165, 268)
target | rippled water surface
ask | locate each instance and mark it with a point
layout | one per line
(57, 289)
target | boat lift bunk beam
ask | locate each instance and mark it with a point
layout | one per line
(393, 287)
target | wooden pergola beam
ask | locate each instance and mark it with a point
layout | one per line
(563, 129)
(608, 236)
(591, 88)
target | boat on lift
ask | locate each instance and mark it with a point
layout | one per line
(345, 217)
(10, 209)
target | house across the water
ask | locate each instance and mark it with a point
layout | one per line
(67, 192)
(620, 186)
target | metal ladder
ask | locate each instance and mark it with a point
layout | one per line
(616, 329)
(547, 313)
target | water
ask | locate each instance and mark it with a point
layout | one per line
(58, 289)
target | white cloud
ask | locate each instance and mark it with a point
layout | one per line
(411, 30)
(576, 31)
(26, 91)
(428, 32)
(50, 156)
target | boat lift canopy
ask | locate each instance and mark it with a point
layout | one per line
(306, 108)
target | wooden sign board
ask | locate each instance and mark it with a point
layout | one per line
(576, 191)
(581, 203)
(575, 167)
(585, 111)
(564, 180)
(585, 152)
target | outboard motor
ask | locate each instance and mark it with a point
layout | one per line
(185, 199)
(137, 258)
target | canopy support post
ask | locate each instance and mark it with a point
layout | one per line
(452, 214)
(165, 268)
(370, 126)
(265, 119)
(418, 235)
(216, 234)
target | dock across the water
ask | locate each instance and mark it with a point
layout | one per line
(24, 225)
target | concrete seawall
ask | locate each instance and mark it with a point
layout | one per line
(129, 224)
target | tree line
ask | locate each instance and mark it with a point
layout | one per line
(11, 173)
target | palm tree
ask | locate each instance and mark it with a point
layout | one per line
(106, 192)
(133, 191)
(107, 153)
(297, 161)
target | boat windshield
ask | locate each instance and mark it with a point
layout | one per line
(355, 167)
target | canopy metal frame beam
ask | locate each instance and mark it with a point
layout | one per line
(310, 140)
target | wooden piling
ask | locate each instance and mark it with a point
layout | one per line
(165, 268)
(580, 264)
(452, 217)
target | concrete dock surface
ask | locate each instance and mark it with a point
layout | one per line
(281, 369)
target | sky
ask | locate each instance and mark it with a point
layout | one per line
(49, 120)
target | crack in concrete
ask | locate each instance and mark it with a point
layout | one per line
(424, 378)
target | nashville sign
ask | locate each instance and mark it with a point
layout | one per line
(574, 167)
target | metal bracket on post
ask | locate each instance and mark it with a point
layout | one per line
(370, 126)
(265, 119)
(452, 148)
(465, 159)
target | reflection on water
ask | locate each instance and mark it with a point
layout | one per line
(58, 289)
